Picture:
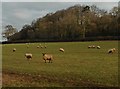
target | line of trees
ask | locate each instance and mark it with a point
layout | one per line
(74, 23)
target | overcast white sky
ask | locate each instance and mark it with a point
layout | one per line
(19, 13)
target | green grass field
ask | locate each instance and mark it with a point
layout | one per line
(77, 66)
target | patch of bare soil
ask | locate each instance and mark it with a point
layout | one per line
(13, 79)
(10, 79)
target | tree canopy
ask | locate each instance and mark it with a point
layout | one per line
(9, 31)
(73, 23)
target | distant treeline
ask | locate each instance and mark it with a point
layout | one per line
(106, 38)
(72, 24)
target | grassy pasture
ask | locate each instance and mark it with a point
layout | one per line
(77, 66)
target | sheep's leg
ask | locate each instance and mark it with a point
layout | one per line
(29, 61)
(49, 61)
(45, 61)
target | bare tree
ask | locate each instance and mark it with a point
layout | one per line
(9, 31)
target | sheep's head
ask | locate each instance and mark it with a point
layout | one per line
(114, 49)
(26, 54)
(43, 54)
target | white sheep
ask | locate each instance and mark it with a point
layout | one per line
(38, 46)
(111, 50)
(41, 46)
(28, 56)
(114, 49)
(89, 46)
(47, 57)
(98, 47)
(14, 49)
(61, 49)
(93, 46)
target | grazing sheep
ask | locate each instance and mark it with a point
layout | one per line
(98, 47)
(47, 57)
(28, 56)
(45, 46)
(111, 50)
(114, 49)
(38, 46)
(93, 46)
(89, 46)
(41, 46)
(61, 49)
(14, 49)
